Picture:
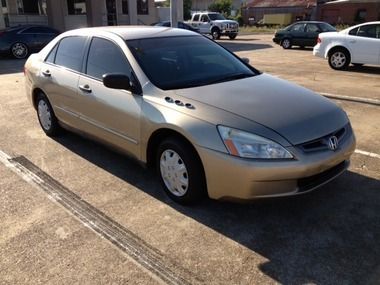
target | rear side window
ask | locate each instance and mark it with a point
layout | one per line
(70, 52)
(368, 31)
(196, 18)
(106, 57)
(312, 28)
(353, 32)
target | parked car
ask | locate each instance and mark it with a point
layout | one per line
(181, 25)
(357, 45)
(20, 41)
(301, 34)
(209, 123)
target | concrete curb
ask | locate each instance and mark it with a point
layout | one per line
(352, 99)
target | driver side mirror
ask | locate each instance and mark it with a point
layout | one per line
(117, 81)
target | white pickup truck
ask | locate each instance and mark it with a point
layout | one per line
(214, 24)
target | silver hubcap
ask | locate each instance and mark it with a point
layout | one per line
(174, 172)
(19, 50)
(286, 43)
(44, 115)
(338, 59)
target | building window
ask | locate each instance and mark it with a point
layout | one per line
(124, 7)
(76, 7)
(142, 7)
(361, 14)
(31, 7)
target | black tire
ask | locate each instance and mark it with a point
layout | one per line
(232, 37)
(196, 182)
(19, 50)
(339, 59)
(215, 33)
(46, 117)
(286, 43)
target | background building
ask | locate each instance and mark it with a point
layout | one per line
(350, 11)
(68, 14)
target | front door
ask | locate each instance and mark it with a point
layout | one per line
(114, 115)
(111, 12)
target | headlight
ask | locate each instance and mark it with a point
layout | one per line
(248, 145)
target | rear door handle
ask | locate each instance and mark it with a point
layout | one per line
(85, 88)
(46, 73)
(353, 41)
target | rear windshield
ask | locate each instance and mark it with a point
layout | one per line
(187, 61)
(327, 27)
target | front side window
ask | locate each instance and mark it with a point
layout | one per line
(106, 57)
(297, 28)
(142, 7)
(190, 61)
(70, 52)
(76, 7)
(196, 18)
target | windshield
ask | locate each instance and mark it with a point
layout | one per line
(187, 61)
(327, 27)
(214, 17)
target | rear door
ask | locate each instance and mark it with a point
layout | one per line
(364, 44)
(59, 75)
(113, 115)
(312, 31)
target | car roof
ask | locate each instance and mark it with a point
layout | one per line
(134, 32)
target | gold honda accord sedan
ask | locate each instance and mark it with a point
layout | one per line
(209, 123)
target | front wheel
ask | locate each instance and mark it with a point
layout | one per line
(215, 33)
(180, 171)
(46, 116)
(339, 59)
(232, 37)
(286, 44)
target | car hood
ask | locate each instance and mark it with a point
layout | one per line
(296, 113)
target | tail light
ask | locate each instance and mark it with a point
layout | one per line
(319, 40)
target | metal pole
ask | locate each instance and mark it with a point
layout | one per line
(174, 13)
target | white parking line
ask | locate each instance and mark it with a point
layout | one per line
(370, 154)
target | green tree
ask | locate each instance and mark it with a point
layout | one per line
(221, 6)
(187, 9)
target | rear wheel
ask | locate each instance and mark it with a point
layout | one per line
(339, 59)
(286, 43)
(46, 117)
(19, 50)
(232, 37)
(180, 171)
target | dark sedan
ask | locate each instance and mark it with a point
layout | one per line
(181, 25)
(301, 34)
(21, 41)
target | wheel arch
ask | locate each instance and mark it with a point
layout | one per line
(336, 47)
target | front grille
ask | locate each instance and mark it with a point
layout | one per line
(322, 143)
(308, 183)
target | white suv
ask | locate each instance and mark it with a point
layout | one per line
(357, 45)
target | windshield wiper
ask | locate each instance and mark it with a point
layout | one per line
(231, 77)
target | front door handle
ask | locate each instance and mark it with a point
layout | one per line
(46, 73)
(85, 88)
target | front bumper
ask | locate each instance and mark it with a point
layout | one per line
(234, 178)
(277, 40)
